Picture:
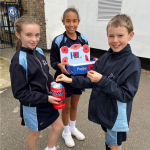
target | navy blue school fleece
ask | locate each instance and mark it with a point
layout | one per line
(111, 99)
(60, 41)
(30, 78)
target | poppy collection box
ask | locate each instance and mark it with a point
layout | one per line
(81, 68)
(78, 58)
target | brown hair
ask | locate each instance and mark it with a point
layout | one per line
(121, 20)
(18, 26)
(71, 9)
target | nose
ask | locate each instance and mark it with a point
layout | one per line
(71, 23)
(115, 39)
(33, 38)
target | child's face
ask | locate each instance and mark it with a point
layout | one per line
(71, 22)
(118, 38)
(30, 35)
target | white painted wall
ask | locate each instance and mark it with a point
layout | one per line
(53, 14)
(95, 30)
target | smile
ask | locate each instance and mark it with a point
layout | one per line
(116, 46)
(71, 29)
(33, 44)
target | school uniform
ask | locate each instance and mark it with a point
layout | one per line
(111, 99)
(58, 42)
(30, 82)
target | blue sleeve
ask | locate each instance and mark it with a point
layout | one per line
(126, 92)
(54, 55)
(20, 87)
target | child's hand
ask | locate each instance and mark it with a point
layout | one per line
(62, 67)
(63, 78)
(94, 76)
(53, 99)
(96, 59)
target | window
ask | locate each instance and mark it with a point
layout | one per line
(108, 9)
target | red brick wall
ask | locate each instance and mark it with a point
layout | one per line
(35, 8)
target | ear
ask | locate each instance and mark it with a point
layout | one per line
(131, 35)
(17, 35)
(78, 21)
(63, 22)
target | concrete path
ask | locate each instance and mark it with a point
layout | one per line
(13, 135)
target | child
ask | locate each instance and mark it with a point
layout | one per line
(114, 81)
(30, 82)
(68, 38)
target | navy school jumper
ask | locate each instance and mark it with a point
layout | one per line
(60, 41)
(111, 99)
(30, 78)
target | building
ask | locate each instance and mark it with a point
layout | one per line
(94, 15)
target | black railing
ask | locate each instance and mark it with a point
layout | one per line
(9, 13)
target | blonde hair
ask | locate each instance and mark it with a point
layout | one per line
(18, 26)
(121, 20)
(71, 9)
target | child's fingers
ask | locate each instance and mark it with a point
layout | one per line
(91, 72)
(96, 59)
(55, 102)
(65, 63)
(55, 98)
(53, 83)
(59, 77)
(66, 72)
(89, 76)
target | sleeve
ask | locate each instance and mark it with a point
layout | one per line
(127, 91)
(51, 79)
(81, 82)
(20, 87)
(54, 56)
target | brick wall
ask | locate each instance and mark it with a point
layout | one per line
(35, 8)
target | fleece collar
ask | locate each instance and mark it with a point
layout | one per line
(27, 50)
(122, 53)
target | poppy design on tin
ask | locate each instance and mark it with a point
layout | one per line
(64, 49)
(86, 58)
(64, 60)
(86, 48)
(75, 46)
(90, 67)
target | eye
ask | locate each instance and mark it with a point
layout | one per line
(37, 35)
(28, 34)
(111, 36)
(120, 35)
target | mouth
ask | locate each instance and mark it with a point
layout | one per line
(33, 44)
(116, 46)
(71, 29)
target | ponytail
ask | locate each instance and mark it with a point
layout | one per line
(18, 44)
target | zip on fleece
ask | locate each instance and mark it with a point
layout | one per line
(42, 71)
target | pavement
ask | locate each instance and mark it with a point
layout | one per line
(13, 136)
